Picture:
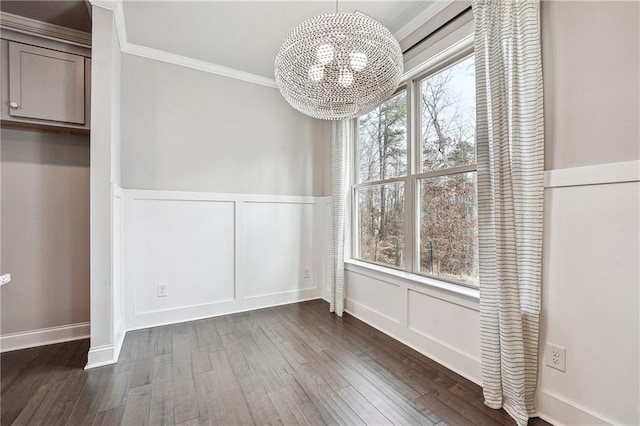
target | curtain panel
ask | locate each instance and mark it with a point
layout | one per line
(510, 149)
(339, 200)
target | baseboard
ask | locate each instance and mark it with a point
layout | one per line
(178, 320)
(565, 412)
(44, 336)
(100, 356)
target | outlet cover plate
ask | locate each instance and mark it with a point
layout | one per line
(163, 290)
(556, 357)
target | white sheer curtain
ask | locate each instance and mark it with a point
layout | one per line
(339, 201)
(510, 146)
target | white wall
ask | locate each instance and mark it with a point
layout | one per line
(105, 143)
(45, 233)
(591, 276)
(590, 302)
(218, 253)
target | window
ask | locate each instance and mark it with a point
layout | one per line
(415, 205)
(382, 167)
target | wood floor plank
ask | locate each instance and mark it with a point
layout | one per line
(161, 411)
(89, 401)
(363, 408)
(111, 416)
(136, 410)
(68, 396)
(292, 364)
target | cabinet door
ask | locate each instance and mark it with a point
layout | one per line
(46, 84)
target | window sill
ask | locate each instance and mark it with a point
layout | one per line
(458, 294)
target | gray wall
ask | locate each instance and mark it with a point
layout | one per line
(189, 130)
(590, 53)
(45, 229)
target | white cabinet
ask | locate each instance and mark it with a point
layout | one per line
(44, 88)
(46, 84)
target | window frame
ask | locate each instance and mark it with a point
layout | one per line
(412, 197)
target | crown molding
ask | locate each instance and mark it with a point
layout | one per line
(172, 58)
(196, 64)
(30, 26)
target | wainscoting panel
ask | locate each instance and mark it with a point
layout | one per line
(380, 297)
(218, 253)
(454, 325)
(187, 245)
(278, 248)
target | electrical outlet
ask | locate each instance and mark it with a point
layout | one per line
(557, 357)
(163, 290)
(306, 272)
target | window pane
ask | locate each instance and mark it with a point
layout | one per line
(448, 117)
(381, 223)
(382, 140)
(449, 227)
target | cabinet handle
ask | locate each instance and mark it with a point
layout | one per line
(13, 105)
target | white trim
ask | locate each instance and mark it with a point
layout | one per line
(429, 12)
(100, 356)
(600, 174)
(196, 64)
(153, 194)
(453, 293)
(44, 336)
(566, 412)
(34, 27)
(121, 27)
(214, 315)
(464, 43)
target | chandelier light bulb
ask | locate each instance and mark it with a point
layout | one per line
(316, 73)
(325, 54)
(358, 61)
(345, 78)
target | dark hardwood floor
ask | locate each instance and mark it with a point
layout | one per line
(290, 365)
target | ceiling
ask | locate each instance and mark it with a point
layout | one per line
(243, 35)
(240, 34)
(68, 13)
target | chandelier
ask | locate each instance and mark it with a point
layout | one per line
(339, 65)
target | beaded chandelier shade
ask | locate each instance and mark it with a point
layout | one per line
(338, 66)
